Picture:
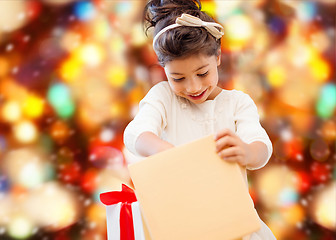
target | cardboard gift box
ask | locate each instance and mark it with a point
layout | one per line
(190, 193)
(123, 216)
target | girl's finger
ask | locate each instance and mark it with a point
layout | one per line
(225, 142)
(222, 133)
(230, 152)
(231, 159)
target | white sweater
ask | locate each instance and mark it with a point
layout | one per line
(179, 121)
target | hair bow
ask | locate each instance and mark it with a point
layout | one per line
(192, 21)
(213, 28)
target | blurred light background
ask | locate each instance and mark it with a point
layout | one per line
(72, 74)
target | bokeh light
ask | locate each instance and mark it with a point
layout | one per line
(304, 182)
(117, 76)
(326, 103)
(33, 106)
(319, 150)
(60, 98)
(89, 180)
(20, 227)
(25, 131)
(57, 2)
(294, 214)
(60, 131)
(4, 184)
(6, 207)
(276, 76)
(320, 69)
(70, 69)
(226, 8)
(12, 15)
(324, 208)
(96, 215)
(329, 130)
(321, 173)
(72, 74)
(70, 40)
(277, 187)
(11, 111)
(91, 54)
(106, 157)
(306, 11)
(239, 31)
(52, 206)
(107, 135)
(84, 10)
(4, 66)
(26, 167)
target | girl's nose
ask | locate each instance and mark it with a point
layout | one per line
(194, 86)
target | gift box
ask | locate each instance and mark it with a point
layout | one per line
(189, 192)
(123, 215)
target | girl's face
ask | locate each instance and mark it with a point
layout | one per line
(194, 78)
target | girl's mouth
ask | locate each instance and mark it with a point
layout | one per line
(197, 96)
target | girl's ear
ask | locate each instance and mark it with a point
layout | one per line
(218, 58)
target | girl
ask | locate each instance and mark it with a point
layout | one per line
(190, 105)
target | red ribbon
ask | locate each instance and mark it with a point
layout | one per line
(126, 196)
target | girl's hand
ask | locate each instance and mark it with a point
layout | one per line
(231, 148)
(149, 144)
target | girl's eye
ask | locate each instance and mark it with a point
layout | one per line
(203, 74)
(178, 79)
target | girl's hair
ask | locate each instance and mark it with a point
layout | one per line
(180, 42)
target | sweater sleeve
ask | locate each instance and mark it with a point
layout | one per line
(248, 126)
(151, 117)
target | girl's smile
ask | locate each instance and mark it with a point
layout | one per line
(194, 78)
(197, 96)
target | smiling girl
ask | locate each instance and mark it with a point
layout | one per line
(190, 105)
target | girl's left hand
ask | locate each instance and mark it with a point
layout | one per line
(231, 148)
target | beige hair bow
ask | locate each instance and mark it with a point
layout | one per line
(213, 28)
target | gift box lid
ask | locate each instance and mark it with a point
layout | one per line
(189, 192)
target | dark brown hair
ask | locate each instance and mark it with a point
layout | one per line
(180, 42)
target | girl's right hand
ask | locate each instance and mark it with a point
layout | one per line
(148, 144)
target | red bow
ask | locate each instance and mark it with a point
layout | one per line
(126, 196)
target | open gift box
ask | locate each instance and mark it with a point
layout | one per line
(188, 193)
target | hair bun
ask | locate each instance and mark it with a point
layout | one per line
(156, 10)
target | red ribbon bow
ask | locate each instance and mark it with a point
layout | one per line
(126, 196)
